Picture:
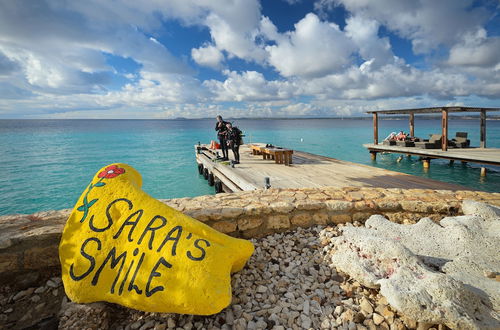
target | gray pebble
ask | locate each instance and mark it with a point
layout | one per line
(51, 284)
(229, 317)
(39, 307)
(22, 294)
(305, 307)
(306, 321)
(136, 325)
(147, 325)
(261, 289)
(40, 290)
(160, 326)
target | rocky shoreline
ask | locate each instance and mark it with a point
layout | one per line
(289, 283)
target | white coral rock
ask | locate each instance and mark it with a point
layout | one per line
(430, 272)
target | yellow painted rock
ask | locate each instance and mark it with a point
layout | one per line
(123, 246)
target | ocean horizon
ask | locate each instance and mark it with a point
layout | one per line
(47, 163)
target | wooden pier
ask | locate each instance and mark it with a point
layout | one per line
(486, 156)
(482, 155)
(306, 171)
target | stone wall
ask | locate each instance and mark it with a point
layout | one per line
(29, 243)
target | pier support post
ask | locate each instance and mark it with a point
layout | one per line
(452, 162)
(483, 129)
(426, 162)
(412, 124)
(373, 155)
(483, 171)
(375, 128)
(444, 124)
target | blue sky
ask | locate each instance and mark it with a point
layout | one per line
(245, 58)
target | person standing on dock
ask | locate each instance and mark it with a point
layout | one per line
(234, 140)
(221, 129)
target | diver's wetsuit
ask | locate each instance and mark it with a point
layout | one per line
(221, 129)
(234, 138)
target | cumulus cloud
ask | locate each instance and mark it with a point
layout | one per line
(208, 55)
(314, 49)
(233, 25)
(476, 49)
(249, 86)
(397, 80)
(364, 33)
(427, 23)
(61, 49)
(156, 88)
(236, 42)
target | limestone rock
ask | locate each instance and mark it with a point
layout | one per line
(278, 222)
(120, 245)
(377, 319)
(488, 212)
(433, 273)
(366, 307)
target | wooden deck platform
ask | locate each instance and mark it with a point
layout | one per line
(307, 171)
(487, 156)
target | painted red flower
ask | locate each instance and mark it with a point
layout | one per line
(111, 172)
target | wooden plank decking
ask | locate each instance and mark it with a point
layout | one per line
(487, 156)
(309, 171)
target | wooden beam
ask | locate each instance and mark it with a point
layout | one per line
(412, 124)
(433, 110)
(486, 156)
(483, 129)
(444, 125)
(375, 128)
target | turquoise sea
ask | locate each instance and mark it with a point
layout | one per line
(46, 164)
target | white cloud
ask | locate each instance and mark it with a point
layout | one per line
(61, 47)
(208, 55)
(427, 23)
(234, 40)
(269, 30)
(156, 89)
(314, 49)
(249, 86)
(476, 49)
(233, 24)
(364, 33)
(396, 80)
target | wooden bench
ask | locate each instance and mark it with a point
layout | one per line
(256, 150)
(280, 156)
